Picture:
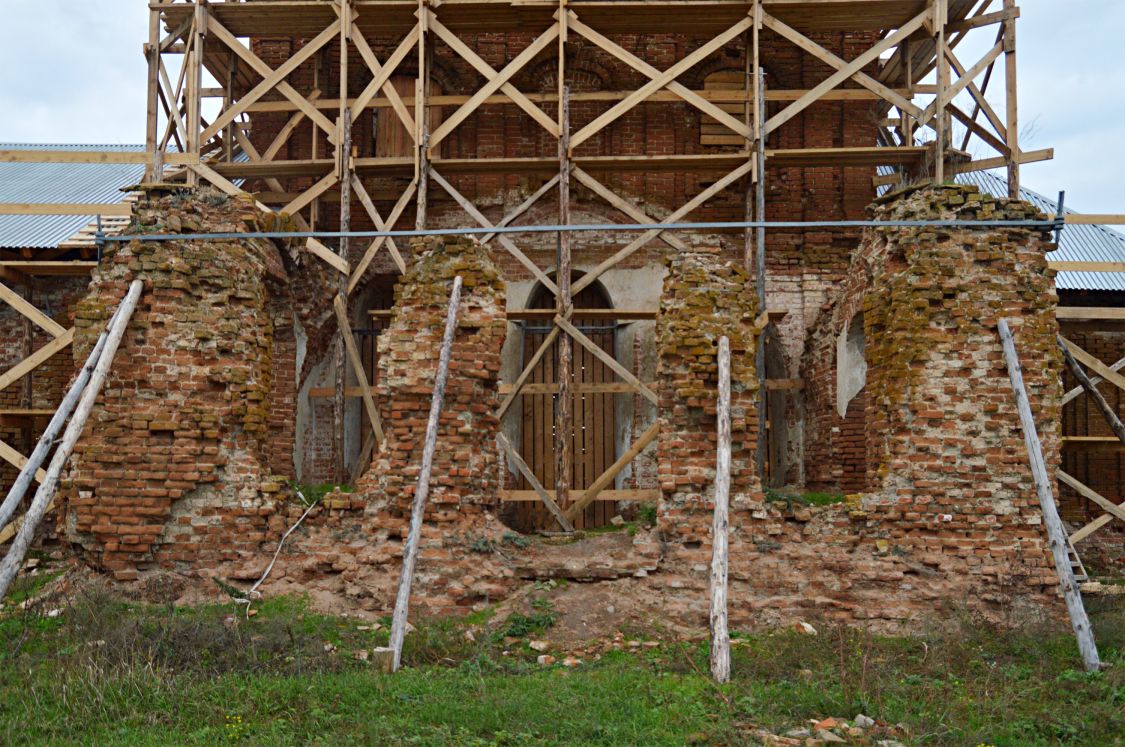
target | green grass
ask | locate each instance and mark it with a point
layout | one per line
(108, 672)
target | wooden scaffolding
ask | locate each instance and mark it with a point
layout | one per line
(206, 84)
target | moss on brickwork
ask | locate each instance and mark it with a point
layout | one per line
(704, 298)
(171, 467)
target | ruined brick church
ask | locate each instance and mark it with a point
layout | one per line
(866, 365)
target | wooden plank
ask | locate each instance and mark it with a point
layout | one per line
(388, 88)
(50, 268)
(607, 359)
(514, 315)
(381, 225)
(853, 69)
(18, 460)
(607, 496)
(505, 242)
(492, 83)
(1081, 534)
(547, 499)
(367, 97)
(265, 70)
(1108, 412)
(489, 72)
(1071, 313)
(1061, 266)
(37, 317)
(580, 387)
(1104, 503)
(357, 368)
(662, 80)
(123, 209)
(36, 359)
(1078, 390)
(627, 207)
(641, 66)
(1094, 364)
(743, 169)
(335, 260)
(1055, 533)
(272, 80)
(1091, 219)
(607, 477)
(526, 373)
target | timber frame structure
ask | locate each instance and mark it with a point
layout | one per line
(200, 134)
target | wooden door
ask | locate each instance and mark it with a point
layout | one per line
(592, 414)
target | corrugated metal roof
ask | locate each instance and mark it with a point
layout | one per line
(59, 182)
(1077, 244)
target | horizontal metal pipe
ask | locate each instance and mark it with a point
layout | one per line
(706, 226)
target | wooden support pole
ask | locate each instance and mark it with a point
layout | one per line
(46, 491)
(564, 424)
(720, 527)
(760, 273)
(1012, 97)
(1056, 535)
(941, 11)
(54, 427)
(421, 493)
(339, 401)
(1107, 411)
(152, 123)
(194, 90)
(344, 174)
(422, 118)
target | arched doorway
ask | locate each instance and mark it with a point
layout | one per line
(592, 410)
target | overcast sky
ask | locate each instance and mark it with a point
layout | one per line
(72, 71)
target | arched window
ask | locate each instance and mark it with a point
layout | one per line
(592, 409)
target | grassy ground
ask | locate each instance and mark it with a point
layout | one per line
(101, 671)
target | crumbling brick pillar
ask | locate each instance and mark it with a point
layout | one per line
(451, 574)
(466, 468)
(948, 483)
(704, 299)
(172, 467)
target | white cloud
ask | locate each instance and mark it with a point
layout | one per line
(73, 71)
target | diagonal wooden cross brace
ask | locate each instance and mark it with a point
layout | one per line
(660, 81)
(844, 70)
(490, 73)
(641, 66)
(381, 225)
(266, 71)
(495, 82)
(383, 73)
(744, 169)
(505, 242)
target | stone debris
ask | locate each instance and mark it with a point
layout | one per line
(545, 659)
(538, 645)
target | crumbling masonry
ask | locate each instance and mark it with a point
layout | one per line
(177, 472)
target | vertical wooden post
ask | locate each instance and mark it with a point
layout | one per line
(421, 493)
(760, 274)
(1012, 96)
(46, 491)
(750, 67)
(940, 17)
(344, 166)
(564, 425)
(422, 118)
(194, 89)
(1056, 535)
(720, 527)
(152, 123)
